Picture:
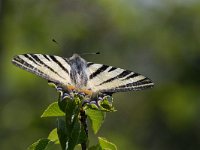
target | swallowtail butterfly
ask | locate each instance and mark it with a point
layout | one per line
(76, 74)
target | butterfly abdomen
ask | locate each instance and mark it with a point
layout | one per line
(78, 74)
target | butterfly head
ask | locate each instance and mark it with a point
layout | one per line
(75, 57)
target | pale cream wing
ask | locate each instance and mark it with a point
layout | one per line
(52, 68)
(103, 78)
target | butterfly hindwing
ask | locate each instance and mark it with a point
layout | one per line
(105, 78)
(53, 68)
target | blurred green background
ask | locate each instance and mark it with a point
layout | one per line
(157, 38)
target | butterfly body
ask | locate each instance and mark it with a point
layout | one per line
(76, 74)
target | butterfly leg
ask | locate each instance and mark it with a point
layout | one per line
(90, 101)
(102, 96)
(96, 99)
(63, 93)
(87, 101)
(82, 94)
(66, 95)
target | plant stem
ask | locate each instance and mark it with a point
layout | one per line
(83, 146)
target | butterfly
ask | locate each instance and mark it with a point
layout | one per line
(76, 74)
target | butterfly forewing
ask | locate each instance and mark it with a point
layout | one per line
(111, 79)
(53, 68)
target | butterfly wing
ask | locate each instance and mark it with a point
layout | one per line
(103, 78)
(52, 68)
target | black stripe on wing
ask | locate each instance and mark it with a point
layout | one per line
(31, 59)
(98, 71)
(46, 56)
(59, 63)
(31, 65)
(131, 76)
(112, 69)
(45, 65)
(25, 65)
(134, 86)
(121, 75)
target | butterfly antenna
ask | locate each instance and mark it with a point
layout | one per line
(90, 53)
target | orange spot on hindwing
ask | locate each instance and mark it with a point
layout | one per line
(71, 88)
(87, 92)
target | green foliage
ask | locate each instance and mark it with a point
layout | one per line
(61, 131)
(103, 145)
(41, 144)
(72, 126)
(53, 136)
(96, 118)
(53, 110)
(103, 105)
(70, 131)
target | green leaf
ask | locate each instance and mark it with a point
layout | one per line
(70, 130)
(96, 117)
(53, 136)
(106, 145)
(95, 147)
(41, 144)
(71, 111)
(73, 124)
(103, 145)
(62, 102)
(106, 104)
(82, 137)
(53, 110)
(75, 133)
(62, 133)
